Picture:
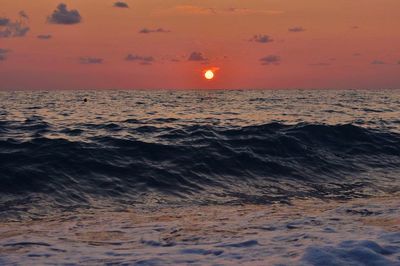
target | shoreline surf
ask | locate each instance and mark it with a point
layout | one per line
(305, 232)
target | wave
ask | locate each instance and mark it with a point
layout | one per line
(263, 163)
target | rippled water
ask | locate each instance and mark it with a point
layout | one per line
(66, 109)
(356, 232)
(156, 149)
(201, 146)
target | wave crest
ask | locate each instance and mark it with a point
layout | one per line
(203, 163)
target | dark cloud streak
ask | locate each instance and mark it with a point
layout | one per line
(159, 30)
(378, 62)
(270, 60)
(196, 56)
(296, 29)
(121, 4)
(143, 60)
(90, 60)
(321, 64)
(4, 21)
(261, 39)
(44, 37)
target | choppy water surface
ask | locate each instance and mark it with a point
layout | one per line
(156, 149)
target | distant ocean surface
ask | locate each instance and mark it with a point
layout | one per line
(195, 147)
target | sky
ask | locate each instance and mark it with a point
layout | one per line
(156, 44)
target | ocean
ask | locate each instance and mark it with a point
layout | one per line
(200, 177)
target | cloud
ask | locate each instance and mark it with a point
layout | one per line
(296, 29)
(198, 10)
(189, 9)
(23, 14)
(90, 60)
(143, 60)
(321, 64)
(64, 16)
(248, 11)
(121, 4)
(378, 62)
(3, 54)
(44, 36)
(261, 39)
(196, 56)
(18, 28)
(4, 21)
(270, 60)
(159, 30)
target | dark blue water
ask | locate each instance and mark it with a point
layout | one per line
(197, 147)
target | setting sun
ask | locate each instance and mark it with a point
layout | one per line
(209, 74)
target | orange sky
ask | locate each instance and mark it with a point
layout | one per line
(344, 44)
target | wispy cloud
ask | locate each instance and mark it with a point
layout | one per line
(23, 14)
(159, 30)
(320, 64)
(64, 16)
(198, 10)
(296, 29)
(44, 36)
(17, 28)
(143, 60)
(270, 60)
(3, 54)
(87, 60)
(248, 11)
(378, 62)
(187, 9)
(261, 39)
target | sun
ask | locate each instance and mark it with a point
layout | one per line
(209, 74)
